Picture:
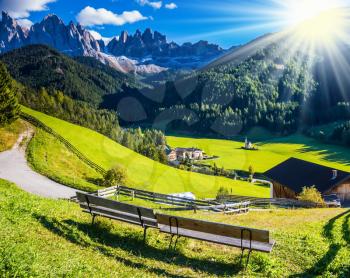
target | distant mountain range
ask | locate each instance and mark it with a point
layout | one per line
(147, 52)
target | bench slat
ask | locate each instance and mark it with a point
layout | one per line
(224, 240)
(114, 205)
(120, 215)
(214, 228)
(115, 218)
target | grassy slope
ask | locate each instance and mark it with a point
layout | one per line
(143, 172)
(48, 238)
(271, 152)
(9, 134)
(50, 157)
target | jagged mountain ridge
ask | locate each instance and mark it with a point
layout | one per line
(155, 47)
(146, 52)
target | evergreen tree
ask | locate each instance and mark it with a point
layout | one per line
(9, 108)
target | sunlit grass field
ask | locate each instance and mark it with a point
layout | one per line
(48, 156)
(49, 238)
(9, 134)
(271, 152)
(143, 172)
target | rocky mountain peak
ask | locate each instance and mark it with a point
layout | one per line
(147, 36)
(7, 20)
(73, 39)
(12, 34)
(123, 36)
(138, 34)
(52, 19)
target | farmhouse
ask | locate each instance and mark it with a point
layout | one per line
(289, 178)
(180, 154)
(191, 153)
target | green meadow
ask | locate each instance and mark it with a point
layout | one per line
(48, 156)
(143, 172)
(272, 151)
(54, 238)
(9, 134)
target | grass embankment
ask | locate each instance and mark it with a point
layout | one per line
(48, 238)
(143, 172)
(51, 158)
(271, 152)
(9, 134)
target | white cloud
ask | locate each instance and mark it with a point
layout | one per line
(155, 5)
(90, 16)
(22, 8)
(98, 36)
(171, 6)
(24, 22)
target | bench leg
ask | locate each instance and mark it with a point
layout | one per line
(248, 258)
(144, 234)
(93, 219)
(171, 241)
(175, 243)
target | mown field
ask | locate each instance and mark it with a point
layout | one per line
(271, 152)
(143, 172)
(9, 134)
(48, 156)
(48, 238)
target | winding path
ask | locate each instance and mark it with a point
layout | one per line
(14, 168)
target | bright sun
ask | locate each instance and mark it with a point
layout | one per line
(316, 20)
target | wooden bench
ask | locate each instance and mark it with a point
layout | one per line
(98, 206)
(236, 236)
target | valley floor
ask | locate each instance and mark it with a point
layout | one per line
(50, 238)
(142, 172)
(271, 151)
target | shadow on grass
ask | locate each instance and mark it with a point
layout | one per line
(103, 240)
(321, 265)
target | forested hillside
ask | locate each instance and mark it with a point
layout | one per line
(85, 79)
(73, 90)
(283, 91)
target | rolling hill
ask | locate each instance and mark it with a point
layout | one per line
(83, 78)
(143, 172)
(51, 238)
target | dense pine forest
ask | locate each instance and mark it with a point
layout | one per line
(282, 93)
(57, 85)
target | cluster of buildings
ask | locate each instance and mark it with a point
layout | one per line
(180, 154)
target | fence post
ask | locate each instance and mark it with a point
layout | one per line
(117, 193)
(133, 195)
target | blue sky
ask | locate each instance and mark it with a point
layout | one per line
(225, 22)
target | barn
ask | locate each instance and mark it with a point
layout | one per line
(289, 178)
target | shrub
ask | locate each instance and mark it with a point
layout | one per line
(223, 191)
(311, 194)
(251, 173)
(115, 176)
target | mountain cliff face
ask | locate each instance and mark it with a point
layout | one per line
(71, 39)
(11, 34)
(155, 47)
(147, 52)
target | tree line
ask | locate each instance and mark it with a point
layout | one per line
(150, 143)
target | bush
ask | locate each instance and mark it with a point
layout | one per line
(223, 191)
(115, 176)
(311, 194)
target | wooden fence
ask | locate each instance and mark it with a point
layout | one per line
(264, 202)
(69, 146)
(212, 205)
